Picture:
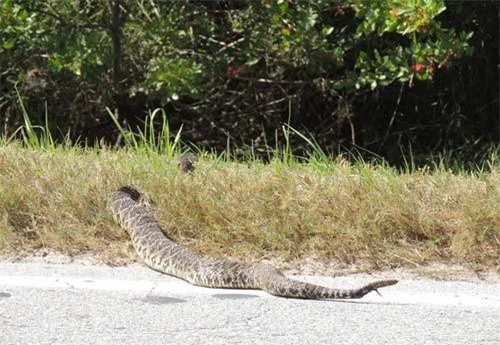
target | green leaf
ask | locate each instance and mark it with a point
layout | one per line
(253, 61)
(9, 44)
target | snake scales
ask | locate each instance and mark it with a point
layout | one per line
(163, 254)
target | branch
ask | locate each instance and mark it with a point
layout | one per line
(115, 28)
(230, 45)
(87, 26)
(271, 81)
(55, 16)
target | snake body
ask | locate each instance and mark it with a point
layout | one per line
(163, 254)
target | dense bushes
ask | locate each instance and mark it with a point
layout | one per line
(383, 76)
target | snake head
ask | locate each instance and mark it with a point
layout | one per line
(132, 192)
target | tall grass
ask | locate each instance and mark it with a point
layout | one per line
(341, 208)
(33, 136)
(148, 138)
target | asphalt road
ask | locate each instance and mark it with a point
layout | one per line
(77, 304)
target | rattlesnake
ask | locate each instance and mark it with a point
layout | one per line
(163, 254)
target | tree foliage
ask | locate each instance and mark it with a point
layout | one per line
(231, 69)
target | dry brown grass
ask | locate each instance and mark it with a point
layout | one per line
(350, 213)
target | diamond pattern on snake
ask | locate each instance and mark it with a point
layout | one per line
(163, 254)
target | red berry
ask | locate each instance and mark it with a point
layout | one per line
(418, 68)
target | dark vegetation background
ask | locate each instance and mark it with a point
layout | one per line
(232, 73)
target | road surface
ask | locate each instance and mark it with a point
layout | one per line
(80, 304)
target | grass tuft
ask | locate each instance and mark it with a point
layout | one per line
(148, 139)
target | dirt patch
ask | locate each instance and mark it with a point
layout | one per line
(307, 266)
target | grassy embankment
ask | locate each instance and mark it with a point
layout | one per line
(55, 197)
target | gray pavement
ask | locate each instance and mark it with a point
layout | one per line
(81, 304)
